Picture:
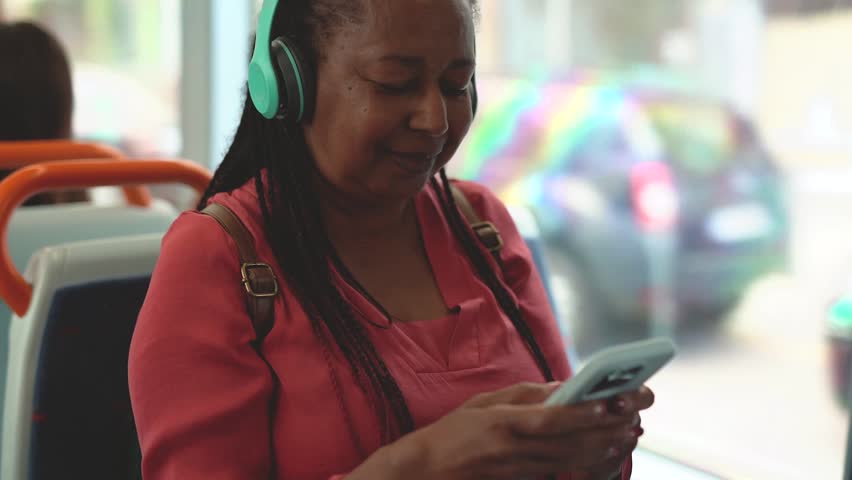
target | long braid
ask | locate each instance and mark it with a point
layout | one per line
(486, 273)
(236, 168)
(316, 326)
(333, 316)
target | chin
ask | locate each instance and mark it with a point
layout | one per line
(409, 187)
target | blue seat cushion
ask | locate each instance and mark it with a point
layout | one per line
(82, 420)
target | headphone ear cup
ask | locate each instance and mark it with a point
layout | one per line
(263, 88)
(297, 81)
(474, 97)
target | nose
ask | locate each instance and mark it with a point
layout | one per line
(430, 116)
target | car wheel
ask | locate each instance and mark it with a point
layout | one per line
(708, 315)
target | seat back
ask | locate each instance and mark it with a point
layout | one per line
(47, 371)
(67, 405)
(32, 228)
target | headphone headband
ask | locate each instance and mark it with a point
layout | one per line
(281, 85)
(264, 29)
(261, 78)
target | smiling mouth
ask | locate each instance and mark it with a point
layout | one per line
(414, 163)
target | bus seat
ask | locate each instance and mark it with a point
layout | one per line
(23, 231)
(32, 228)
(67, 405)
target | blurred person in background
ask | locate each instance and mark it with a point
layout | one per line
(36, 94)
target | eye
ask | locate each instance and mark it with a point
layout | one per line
(456, 92)
(396, 89)
(456, 87)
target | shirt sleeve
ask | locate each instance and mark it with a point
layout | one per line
(200, 392)
(521, 276)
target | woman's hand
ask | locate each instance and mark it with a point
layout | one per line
(623, 403)
(510, 434)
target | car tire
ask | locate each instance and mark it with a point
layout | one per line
(708, 315)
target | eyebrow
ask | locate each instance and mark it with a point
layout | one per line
(410, 61)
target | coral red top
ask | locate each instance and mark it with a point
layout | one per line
(201, 394)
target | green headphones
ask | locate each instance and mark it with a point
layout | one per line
(284, 88)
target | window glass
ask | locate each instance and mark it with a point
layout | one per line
(730, 124)
(125, 59)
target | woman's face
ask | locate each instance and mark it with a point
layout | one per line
(393, 97)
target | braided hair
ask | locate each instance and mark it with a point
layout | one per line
(294, 229)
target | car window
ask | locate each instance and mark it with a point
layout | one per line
(700, 139)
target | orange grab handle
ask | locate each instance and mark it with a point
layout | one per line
(15, 155)
(21, 184)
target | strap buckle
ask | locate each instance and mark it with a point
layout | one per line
(488, 235)
(247, 281)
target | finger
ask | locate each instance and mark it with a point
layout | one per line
(589, 444)
(540, 420)
(538, 457)
(519, 394)
(532, 466)
(609, 469)
(527, 468)
(630, 402)
(645, 397)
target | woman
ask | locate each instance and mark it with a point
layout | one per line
(36, 97)
(392, 320)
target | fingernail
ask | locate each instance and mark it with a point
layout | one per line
(553, 384)
(616, 405)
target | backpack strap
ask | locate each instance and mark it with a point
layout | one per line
(258, 278)
(486, 232)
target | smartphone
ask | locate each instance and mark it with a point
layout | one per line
(614, 370)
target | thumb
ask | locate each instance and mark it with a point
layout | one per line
(519, 394)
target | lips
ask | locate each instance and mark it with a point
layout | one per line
(414, 162)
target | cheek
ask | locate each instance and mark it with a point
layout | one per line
(352, 140)
(361, 135)
(459, 125)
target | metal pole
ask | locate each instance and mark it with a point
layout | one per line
(847, 469)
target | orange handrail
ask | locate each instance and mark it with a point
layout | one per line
(23, 183)
(17, 154)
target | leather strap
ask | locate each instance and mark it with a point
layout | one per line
(487, 233)
(258, 278)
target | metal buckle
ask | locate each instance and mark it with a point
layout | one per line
(491, 232)
(247, 282)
